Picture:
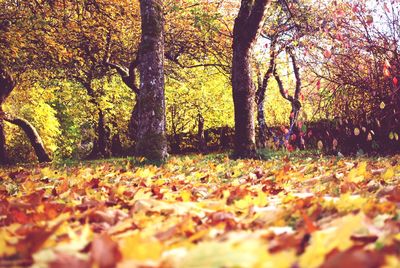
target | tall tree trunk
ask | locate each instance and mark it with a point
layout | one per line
(262, 125)
(202, 145)
(151, 138)
(3, 151)
(102, 136)
(7, 85)
(116, 146)
(33, 136)
(294, 100)
(246, 29)
(100, 144)
(263, 130)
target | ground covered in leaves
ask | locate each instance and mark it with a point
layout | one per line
(203, 211)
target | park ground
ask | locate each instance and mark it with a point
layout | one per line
(288, 210)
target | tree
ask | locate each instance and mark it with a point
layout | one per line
(293, 99)
(151, 138)
(83, 46)
(7, 84)
(262, 85)
(194, 38)
(18, 43)
(354, 62)
(246, 29)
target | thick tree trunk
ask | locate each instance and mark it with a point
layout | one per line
(33, 136)
(243, 97)
(151, 138)
(246, 29)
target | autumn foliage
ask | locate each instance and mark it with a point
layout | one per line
(300, 210)
(198, 133)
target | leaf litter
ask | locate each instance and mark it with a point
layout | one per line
(201, 211)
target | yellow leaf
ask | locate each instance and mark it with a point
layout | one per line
(358, 174)
(348, 202)
(5, 248)
(244, 203)
(392, 261)
(382, 105)
(388, 175)
(397, 237)
(324, 241)
(143, 194)
(186, 196)
(136, 247)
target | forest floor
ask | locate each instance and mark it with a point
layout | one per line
(298, 210)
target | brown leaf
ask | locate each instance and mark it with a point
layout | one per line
(64, 260)
(354, 258)
(104, 252)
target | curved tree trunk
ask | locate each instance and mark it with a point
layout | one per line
(151, 137)
(33, 136)
(263, 130)
(7, 85)
(246, 28)
(294, 100)
(128, 76)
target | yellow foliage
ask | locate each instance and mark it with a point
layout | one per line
(136, 247)
(336, 237)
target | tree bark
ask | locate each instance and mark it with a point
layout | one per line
(151, 137)
(202, 145)
(100, 144)
(33, 136)
(133, 123)
(3, 151)
(263, 130)
(102, 136)
(246, 28)
(294, 100)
